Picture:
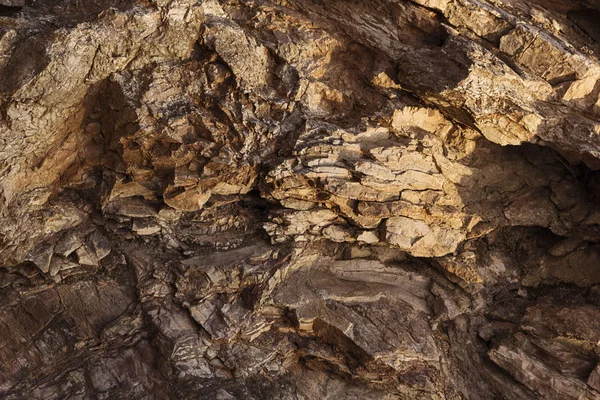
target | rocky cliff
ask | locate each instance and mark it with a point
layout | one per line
(300, 199)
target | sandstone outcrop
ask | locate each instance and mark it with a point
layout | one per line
(300, 199)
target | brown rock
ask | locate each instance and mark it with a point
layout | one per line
(299, 199)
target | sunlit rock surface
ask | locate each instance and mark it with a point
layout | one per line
(300, 199)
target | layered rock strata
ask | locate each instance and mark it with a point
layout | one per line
(300, 199)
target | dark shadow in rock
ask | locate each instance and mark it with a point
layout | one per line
(72, 12)
(542, 244)
(9, 11)
(333, 336)
(565, 6)
(446, 67)
(351, 71)
(108, 117)
(384, 25)
(25, 62)
(588, 21)
(405, 33)
(527, 185)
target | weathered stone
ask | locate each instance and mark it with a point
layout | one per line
(300, 199)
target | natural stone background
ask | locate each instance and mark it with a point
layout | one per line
(300, 199)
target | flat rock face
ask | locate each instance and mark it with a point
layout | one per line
(297, 199)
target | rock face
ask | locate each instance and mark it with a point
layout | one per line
(300, 199)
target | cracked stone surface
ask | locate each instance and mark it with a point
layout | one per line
(300, 199)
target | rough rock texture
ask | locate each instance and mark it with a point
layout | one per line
(300, 199)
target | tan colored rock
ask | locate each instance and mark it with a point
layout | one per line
(299, 199)
(368, 237)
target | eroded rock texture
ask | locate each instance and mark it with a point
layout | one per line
(300, 199)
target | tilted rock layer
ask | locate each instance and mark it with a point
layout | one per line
(300, 199)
